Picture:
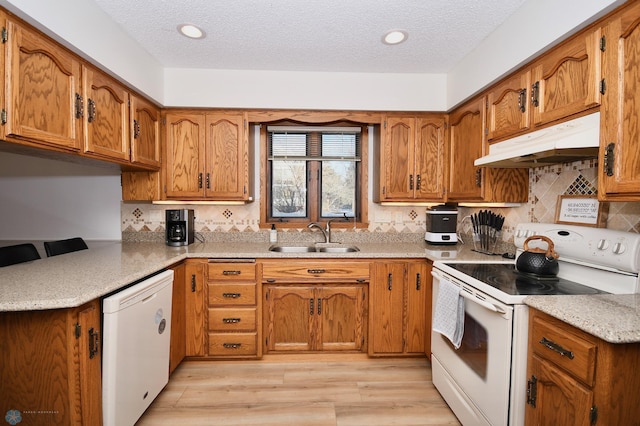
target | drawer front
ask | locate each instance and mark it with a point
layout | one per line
(232, 294)
(297, 271)
(232, 319)
(232, 344)
(232, 271)
(569, 351)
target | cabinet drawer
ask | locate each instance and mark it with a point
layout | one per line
(232, 319)
(567, 350)
(232, 344)
(232, 271)
(333, 270)
(232, 294)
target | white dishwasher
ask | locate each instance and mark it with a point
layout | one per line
(136, 337)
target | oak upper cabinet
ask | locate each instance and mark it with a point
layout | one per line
(51, 365)
(43, 99)
(561, 83)
(508, 110)
(107, 116)
(411, 159)
(619, 157)
(195, 280)
(315, 306)
(144, 132)
(400, 296)
(207, 157)
(566, 80)
(575, 378)
(468, 182)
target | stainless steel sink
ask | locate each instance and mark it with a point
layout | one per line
(311, 249)
(293, 249)
(338, 249)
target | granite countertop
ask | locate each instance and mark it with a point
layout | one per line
(614, 318)
(73, 279)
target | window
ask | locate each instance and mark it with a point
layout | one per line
(313, 172)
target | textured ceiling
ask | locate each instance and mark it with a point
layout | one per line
(311, 35)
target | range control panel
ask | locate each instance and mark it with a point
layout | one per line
(606, 247)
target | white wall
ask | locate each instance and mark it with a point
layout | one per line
(46, 199)
(84, 28)
(534, 26)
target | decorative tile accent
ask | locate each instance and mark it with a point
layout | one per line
(227, 213)
(137, 213)
(413, 214)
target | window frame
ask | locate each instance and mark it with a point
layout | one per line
(313, 199)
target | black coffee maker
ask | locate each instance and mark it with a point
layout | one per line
(179, 231)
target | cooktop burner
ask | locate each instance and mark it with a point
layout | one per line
(505, 277)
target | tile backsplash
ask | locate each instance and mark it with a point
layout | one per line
(146, 222)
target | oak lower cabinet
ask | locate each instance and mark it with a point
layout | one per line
(315, 305)
(619, 156)
(195, 282)
(232, 317)
(51, 365)
(400, 308)
(411, 159)
(468, 182)
(577, 379)
(178, 347)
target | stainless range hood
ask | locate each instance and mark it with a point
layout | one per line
(573, 140)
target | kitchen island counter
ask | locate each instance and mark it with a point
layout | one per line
(73, 279)
(614, 318)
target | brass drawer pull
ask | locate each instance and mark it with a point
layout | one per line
(230, 320)
(231, 295)
(316, 271)
(232, 345)
(231, 272)
(556, 347)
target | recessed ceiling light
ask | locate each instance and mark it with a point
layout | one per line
(395, 37)
(191, 31)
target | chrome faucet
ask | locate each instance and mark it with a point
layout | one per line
(326, 231)
(327, 235)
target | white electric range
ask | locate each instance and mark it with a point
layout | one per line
(484, 379)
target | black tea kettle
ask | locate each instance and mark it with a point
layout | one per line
(537, 261)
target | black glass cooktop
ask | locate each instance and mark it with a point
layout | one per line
(505, 277)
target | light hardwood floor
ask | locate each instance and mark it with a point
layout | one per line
(296, 391)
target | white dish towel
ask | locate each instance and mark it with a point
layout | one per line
(448, 319)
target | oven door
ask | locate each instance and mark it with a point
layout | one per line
(475, 378)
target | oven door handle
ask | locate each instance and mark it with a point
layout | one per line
(484, 304)
(469, 296)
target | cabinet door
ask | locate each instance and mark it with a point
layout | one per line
(397, 159)
(619, 159)
(566, 80)
(508, 107)
(430, 159)
(559, 399)
(89, 363)
(43, 96)
(466, 137)
(341, 317)
(185, 157)
(178, 317)
(417, 304)
(289, 317)
(107, 116)
(194, 308)
(227, 161)
(141, 186)
(387, 308)
(145, 132)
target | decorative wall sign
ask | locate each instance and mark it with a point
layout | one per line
(583, 210)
